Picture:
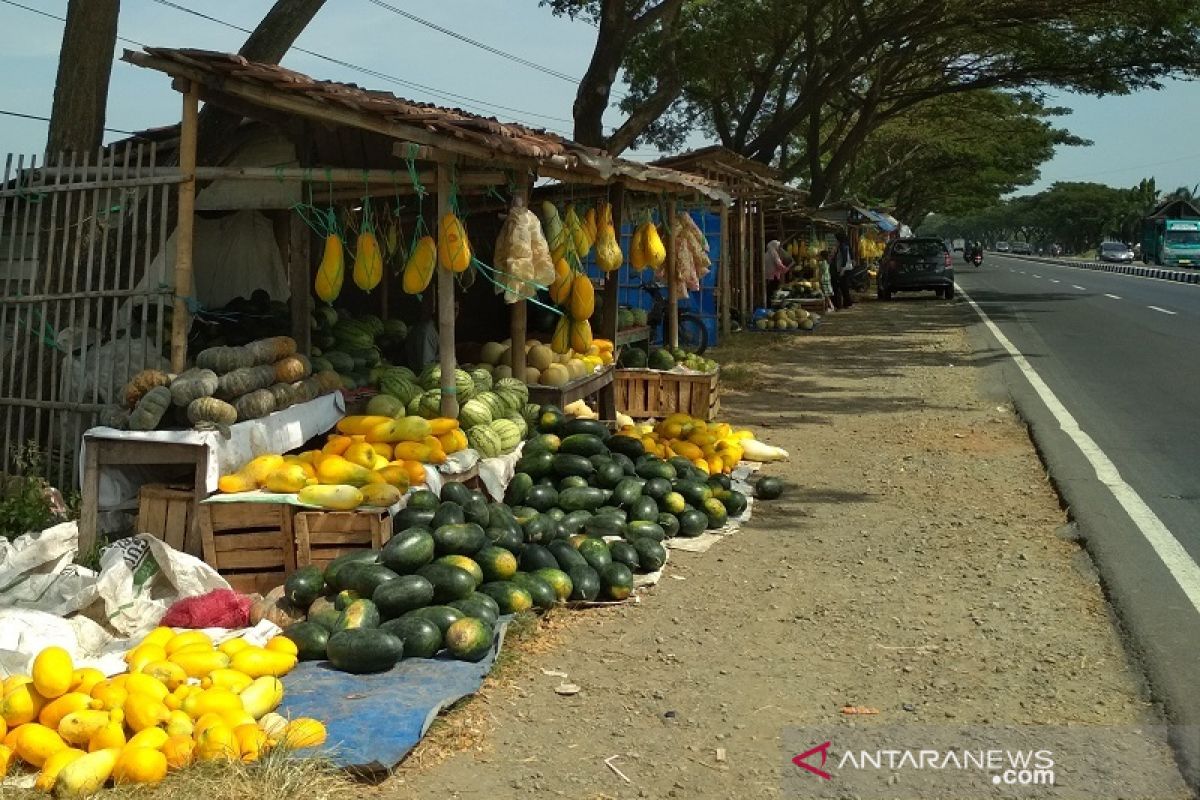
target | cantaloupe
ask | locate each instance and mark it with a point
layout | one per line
(541, 357)
(491, 352)
(556, 375)
(533, 375)
(502, 371)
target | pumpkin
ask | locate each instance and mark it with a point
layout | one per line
(305, 390)
(224, 359)
(244, 381)
(283, 394)
(268, 351)
(210, 409)
(114, 417)
(193, 384)
(254, 405)
(292, 369)
(143, 382)
(150, 409)
(329, 381)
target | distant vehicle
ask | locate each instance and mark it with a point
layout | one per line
(1021, 249)
(1116, 252)
(1002, 247)
(1172, 242)
(958, 245)
(1056, 250)
(916, 265)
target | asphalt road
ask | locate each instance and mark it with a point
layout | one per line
(1122, 355)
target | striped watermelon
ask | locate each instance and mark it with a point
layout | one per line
(474, 412)
(495, 405)
(516, 386)
(429, 404)
(521, 424)
(484, 440)
(510, 435)
(482, 379)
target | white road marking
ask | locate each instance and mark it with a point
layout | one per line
(1162, 310)
(1051, 280)
(1183, 569)
(1076, 286)
(1113, 296)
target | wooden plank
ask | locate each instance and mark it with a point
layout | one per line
(232, 516)
(287, 539)
(175, 526)
(337, 521)
(445, 305)
(155, 521)
(361, 538)
(208, 548)
(723, 274)
(325, 555)
(255, 582)
(184, 229)
(299, 261)
(250, 559)
(301, 535)
(225, 543)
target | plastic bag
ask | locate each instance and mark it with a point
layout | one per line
(37, 573)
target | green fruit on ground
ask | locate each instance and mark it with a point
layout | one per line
(616, 581)
(585, 584)
(450, 583)
(673, 503)
(423, 500)
(575, 521)
(421, 637)
(370, 577)
(496, 564)
(572, 482)
(468, 565)
(735, 504)
(408, 551)
(442, 616)
(714, 509)
(469, 639)
(632, 358)
(384, 405)
(624, 553)
(609, 475)
(540, 591)
(343, 599)
(583, 498)
(583, 444)
(651, 554)
(402, 595)
(511, 598)
(536, 557)
(558, 580)
(410, 518)
(327, 617)
(476, 510)
(540, 529)
(660, 359)
(542, 498)
(448, 513)
(459, 539)
(362, 651)
(564, 464)
(543, 442)
(480, 606)
(694, 492)
(359, 614)
(566, 556)
(657, 488)
(720, 481)
(550, 418)
(768, 489)
(628, 490)
(637, 528)
(334, 568)
(537, 464)
(670, 525)
(604, 525)
(692, 523)
(304, 586)
(626, 445)
(655, 468)
(644, 509)
(595, 553)
(310, 639)
(591, 427)
(518, 489)
(455, 492)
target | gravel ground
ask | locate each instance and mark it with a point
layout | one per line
(919, 565)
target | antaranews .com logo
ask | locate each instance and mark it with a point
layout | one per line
(930, 762)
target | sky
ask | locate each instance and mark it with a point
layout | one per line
(1147, 134)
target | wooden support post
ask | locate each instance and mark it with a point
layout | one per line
(183, 231)
(299, 269)
(611, 297)
(445, 305)
(762, 256)
(743, 266)
(723, 276)
(672, 333)
(518, 312)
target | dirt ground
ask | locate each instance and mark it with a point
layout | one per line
(918, 565)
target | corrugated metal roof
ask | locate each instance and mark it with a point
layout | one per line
(455, 130)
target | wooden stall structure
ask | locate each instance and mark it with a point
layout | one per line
(757, 191)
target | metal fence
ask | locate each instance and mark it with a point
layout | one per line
(84, 302)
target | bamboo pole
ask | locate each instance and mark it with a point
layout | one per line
(672, 278)
(445, 306)
(762, 256)
(184, 229)
(724, 267)
(518, 320)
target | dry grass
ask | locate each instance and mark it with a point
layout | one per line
(276, 777)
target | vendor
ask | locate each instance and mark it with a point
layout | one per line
(778, 263)
(423, 343)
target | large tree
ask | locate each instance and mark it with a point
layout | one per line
(954, 154)
(620, 25)
(81, 87)
(803, 83)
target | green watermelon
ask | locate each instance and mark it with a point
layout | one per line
(485, 440)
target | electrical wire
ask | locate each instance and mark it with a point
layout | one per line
(64, 19)
(6, 113)
(433, 91)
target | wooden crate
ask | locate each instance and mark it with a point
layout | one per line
(166, 512)
(645, 393)
(250, 544)
(322, 536)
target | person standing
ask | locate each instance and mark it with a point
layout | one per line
(778, 263)
(823, 260)
(843, 266)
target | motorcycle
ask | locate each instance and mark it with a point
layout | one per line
(977, 260)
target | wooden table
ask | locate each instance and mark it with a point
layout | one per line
(638, 333)
(102, 452)
(600, 383)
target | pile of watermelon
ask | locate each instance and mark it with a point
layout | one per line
(356, 348)
(584, 513)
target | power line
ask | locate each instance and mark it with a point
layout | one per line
(63, 19)
(433, 91)
(7, 113)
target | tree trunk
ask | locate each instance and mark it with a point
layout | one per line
(84, 66)
(595, 88)
(268, 43)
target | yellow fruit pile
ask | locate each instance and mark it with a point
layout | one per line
(714, 447)
(371, 461)
(182, 700)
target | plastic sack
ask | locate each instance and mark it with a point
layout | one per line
(37, 572)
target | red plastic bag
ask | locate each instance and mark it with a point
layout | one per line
(220, 608)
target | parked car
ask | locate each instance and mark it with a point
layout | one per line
(1116, 252)
(1021, 249)
(1002, 247)
(916, 265)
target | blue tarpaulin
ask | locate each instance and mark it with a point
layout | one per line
(373, 721)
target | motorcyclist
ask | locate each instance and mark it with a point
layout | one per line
(977, 249)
